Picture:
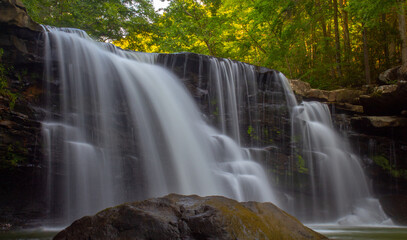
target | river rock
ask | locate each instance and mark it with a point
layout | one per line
(189, 217)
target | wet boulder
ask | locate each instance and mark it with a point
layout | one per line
(189, 217)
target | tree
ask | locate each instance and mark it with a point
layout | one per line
(102, 19)
(402, 30)
(191, 25)
(330, 44)
(337, 41)
(368, 14)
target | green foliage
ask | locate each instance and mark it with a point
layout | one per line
(4, 86)
(295, 37)
(369, 11)
(250, 130)
(301, 164)
(102, 19)
(3, 78)
(384, 163)
(14, 156)
(252, 133)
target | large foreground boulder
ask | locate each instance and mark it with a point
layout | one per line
(189, 217)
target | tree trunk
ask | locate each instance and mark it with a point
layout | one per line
(385, 43)
(366, 56)
(313, 46)
(346, 34)
(337, 42)
(402, 29)
(392, 44)
(326, 33)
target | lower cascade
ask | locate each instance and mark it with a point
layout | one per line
(341, 190)
(119, 128)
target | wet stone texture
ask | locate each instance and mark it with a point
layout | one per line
(189, 217)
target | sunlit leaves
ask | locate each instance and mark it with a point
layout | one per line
(103, 19)
(294, 36)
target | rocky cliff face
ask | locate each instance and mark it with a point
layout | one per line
(21, 170)
(189, 217)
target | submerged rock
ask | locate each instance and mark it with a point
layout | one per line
(189, 217)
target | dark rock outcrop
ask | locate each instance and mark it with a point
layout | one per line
(386, 100)
(21, 170)
(393, 75)
(338, 96)
(189, 217)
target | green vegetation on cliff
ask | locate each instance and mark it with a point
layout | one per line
(385, 164)
(4, 85)
(327, 43)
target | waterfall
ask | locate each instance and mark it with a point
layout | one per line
(322, 167)
(341, 191)
(119, 129)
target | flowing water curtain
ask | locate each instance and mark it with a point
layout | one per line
(335, 186)
(119, 130)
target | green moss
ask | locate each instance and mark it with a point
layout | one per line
(4, 86)
(384, 163)
(259, 221)
(216, 112)
(14, 156)
(301, 164)
(250, 130)
(266, 132)
(378, 93)
(252, 133)
(242, 222)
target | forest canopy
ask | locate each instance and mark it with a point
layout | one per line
(328, 43)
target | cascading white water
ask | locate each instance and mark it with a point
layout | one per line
(341, 191)
(233, 84)
(335, 188)
(118, 129)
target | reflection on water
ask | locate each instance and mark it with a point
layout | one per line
(29, 235)
(331, 231)
(361, 233)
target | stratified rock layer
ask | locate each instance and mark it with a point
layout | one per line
(189, 217)
(21, 174)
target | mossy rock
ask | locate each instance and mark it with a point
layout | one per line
(190, 217)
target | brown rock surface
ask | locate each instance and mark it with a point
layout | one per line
(13, 12)
(348, 99)
(189, 217)
(386, 100)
